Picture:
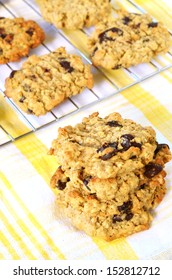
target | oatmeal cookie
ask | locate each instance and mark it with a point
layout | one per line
(17, 37)
(106, 147)
(127, 40)
(45, 81)
(74, 14)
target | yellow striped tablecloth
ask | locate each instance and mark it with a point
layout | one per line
(29, 224)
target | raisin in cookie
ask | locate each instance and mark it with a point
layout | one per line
(17, 37)
(44, 82)
(127, 40)
(74, 14)
(107, 147)
(108, 218)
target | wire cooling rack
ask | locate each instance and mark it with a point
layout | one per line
(15, 123)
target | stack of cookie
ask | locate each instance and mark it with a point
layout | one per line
(111, 175)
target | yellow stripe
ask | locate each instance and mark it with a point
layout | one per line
(22, 225)
(10, 120)
(33, 220)
(79, 39)
(166, 76)
(2, 256)
(154, 111)
(119, 77)
(158, 9)
(16, 237)
(36, 153)
(9, 246)
(118, 249)
(124, 5)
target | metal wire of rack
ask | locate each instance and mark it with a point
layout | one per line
(74, 104)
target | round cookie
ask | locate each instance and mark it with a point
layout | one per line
(74, 14)
(45, 81)
(106, 147)
(17, 37)
(127, 40)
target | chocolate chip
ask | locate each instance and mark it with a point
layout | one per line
(1, 51)
(126, 206)
(133, 157)
(116, 218)
(107, 145)
(66, 65)
(74, 141)
(160, 147)
(103, 36)
(153, 24)
(142, 187)
(30, 31)
(22, 99)
(127, 136)
(135, 144)
(12, 74)
(129, 216)
(46, 70)
(109, 155)
(3, 36)
(152, 169)
(7, 37)
(126, 20)
(61, 185)
(126, 142)
(2, 18)
(113, 124)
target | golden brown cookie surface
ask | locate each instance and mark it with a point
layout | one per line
(127, 40)
(74, 14)
(45, 81)
(17, 37)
